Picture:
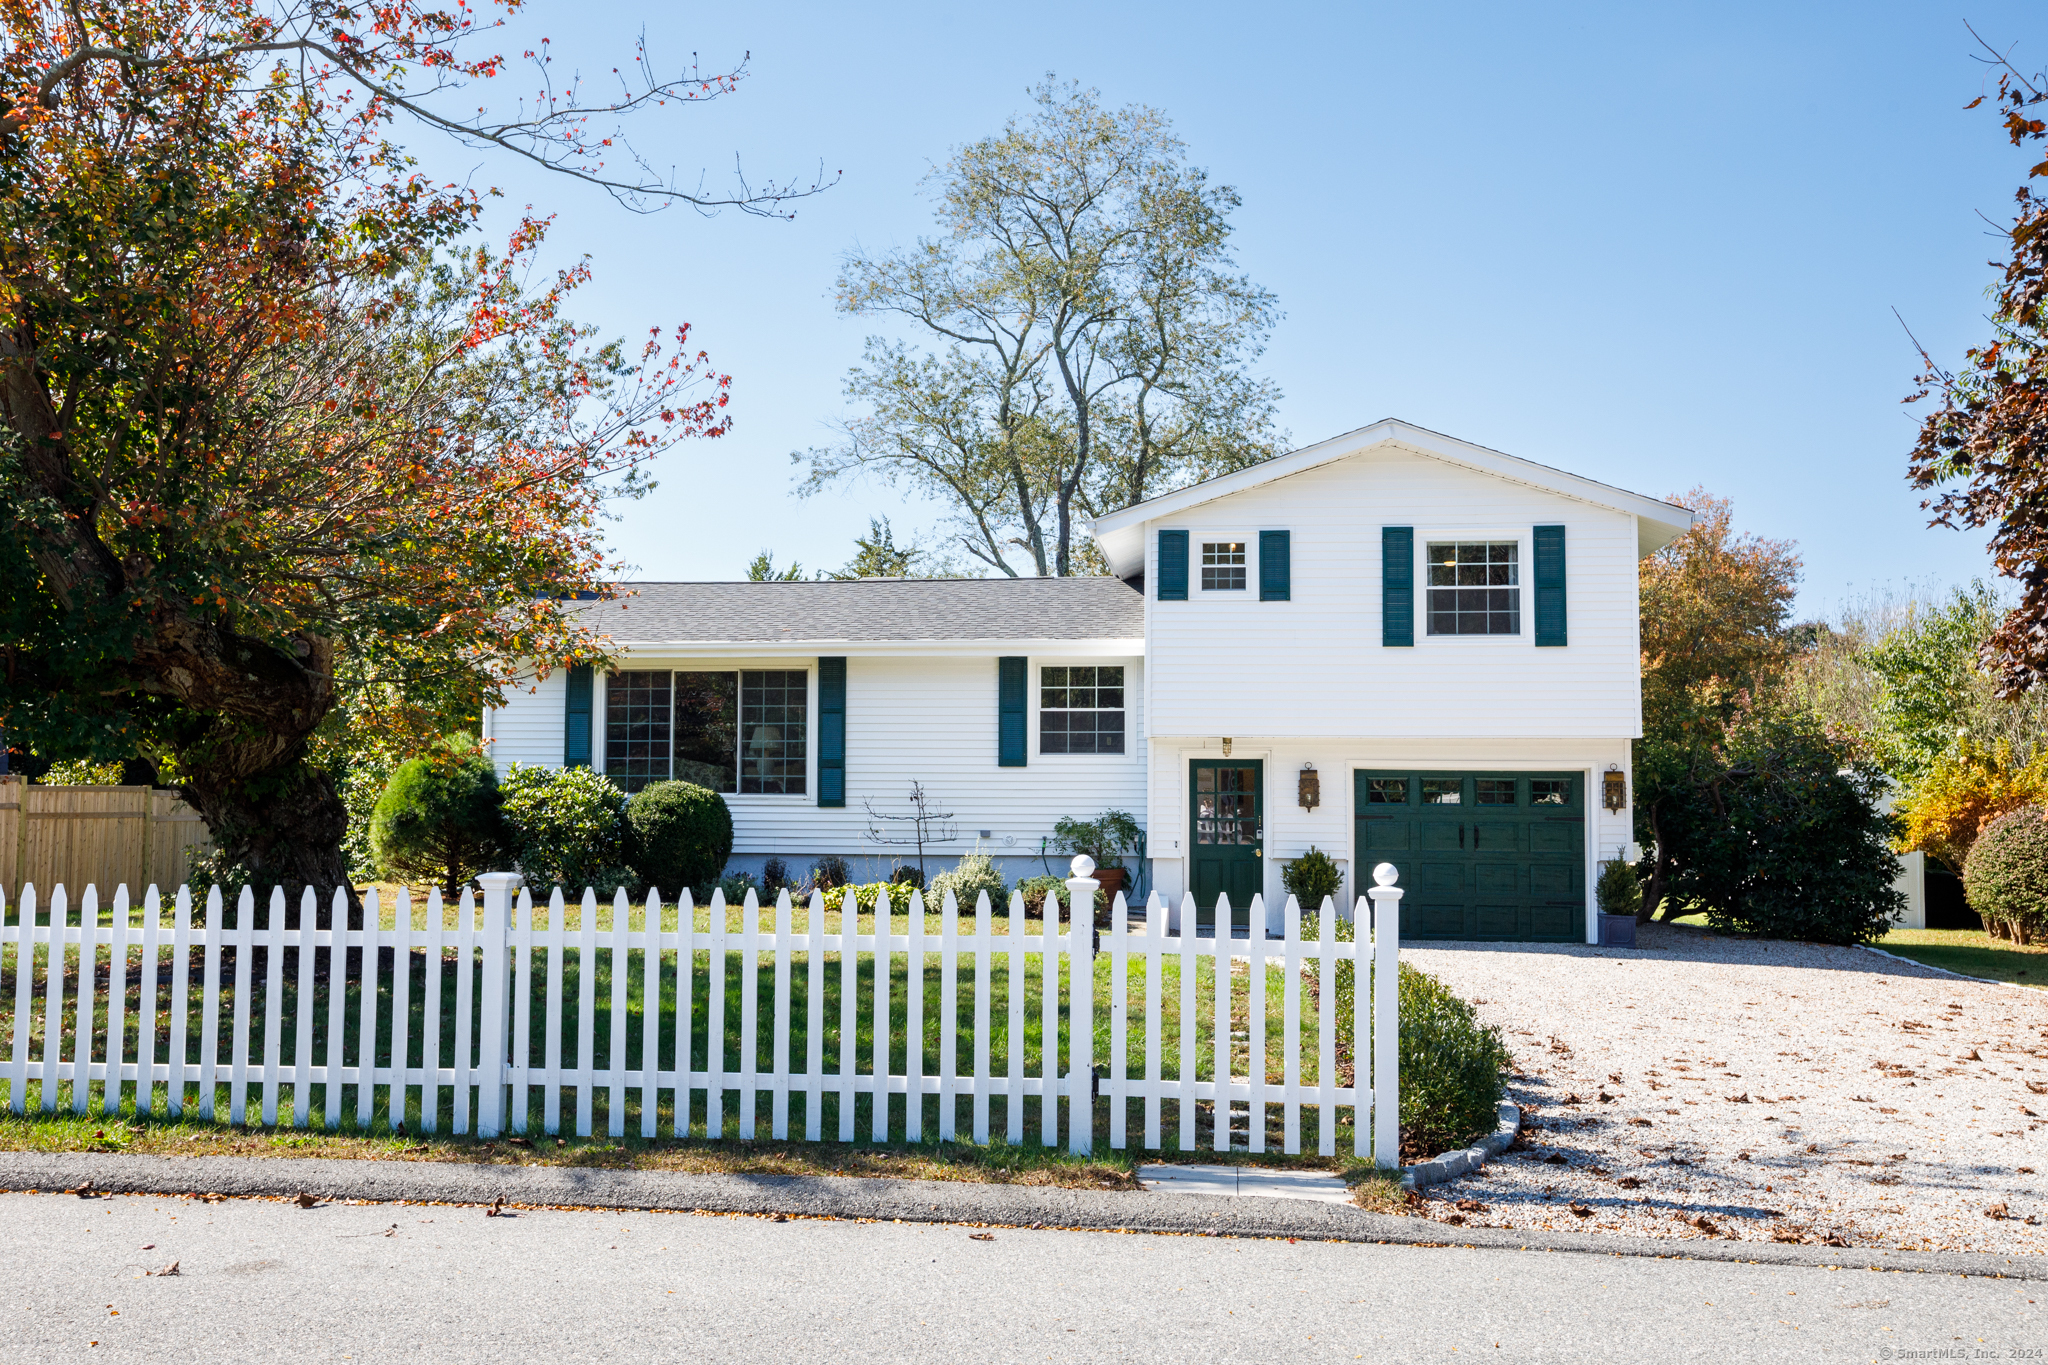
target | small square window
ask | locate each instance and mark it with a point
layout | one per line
(1494, 791)
(1223, 565)
(1475, 588)
(1386, 791)
(1550, 791)
(1443, 791)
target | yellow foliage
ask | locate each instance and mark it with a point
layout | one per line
(1964, 792)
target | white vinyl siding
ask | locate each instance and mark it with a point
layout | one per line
(922, 719)
(1314, 665)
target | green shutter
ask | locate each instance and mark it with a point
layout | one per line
(1173, 566)
(832, 732)
(576, 719)
(1276, 568)
(1397, 585)
(1013, 682)
(1550, 614)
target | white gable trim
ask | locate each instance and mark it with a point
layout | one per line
(1121, 534)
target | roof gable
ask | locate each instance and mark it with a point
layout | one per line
(1120, 535)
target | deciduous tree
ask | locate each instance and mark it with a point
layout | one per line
(1086, 336)
(1983, 453)
(265, 444)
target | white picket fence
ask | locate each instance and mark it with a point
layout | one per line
(507, 959)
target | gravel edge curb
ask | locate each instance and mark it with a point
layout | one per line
(1451, 1165)
(1928, 966)
(910, 1201)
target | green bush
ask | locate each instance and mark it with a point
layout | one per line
(1451, 1069)
(1312, 878)
(1106, 838)
(438, 818)
(864, 897)
(1619, 891)
(1451, 1064)
(1777, 832)
(566, 827)
(968, 878)
(830, 871)
(2005, 876)
(679, 835)
(1036, 889)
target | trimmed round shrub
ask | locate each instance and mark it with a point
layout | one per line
(680, 835)
(967, 879)
(2005, 876)
(438, 819)
(1312, 878)
(566, 827)
(1451, 1069)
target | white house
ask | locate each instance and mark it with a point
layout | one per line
(1393, 646)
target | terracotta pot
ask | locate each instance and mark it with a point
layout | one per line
(1113, 880)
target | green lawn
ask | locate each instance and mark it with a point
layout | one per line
(382, 1125)
(1971, 952)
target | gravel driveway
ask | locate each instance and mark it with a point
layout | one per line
(1701, 1086)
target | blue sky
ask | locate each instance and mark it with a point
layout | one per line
(1659, 246)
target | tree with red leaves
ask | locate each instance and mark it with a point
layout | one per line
(280, 452)
(1984, 452)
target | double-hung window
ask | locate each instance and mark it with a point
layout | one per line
(1081, 710)
(1475, 587)
(1223, 565)
(741, 731)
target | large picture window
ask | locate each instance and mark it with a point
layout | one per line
(1081, 710)
(1475, 588)
(729, 731)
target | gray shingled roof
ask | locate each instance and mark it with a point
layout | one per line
(874, 609)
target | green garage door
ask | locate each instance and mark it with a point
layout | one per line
(1481, 855)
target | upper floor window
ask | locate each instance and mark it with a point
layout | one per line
(1223, 565)
(1081, 710)
(729, 731)
(1475, 588)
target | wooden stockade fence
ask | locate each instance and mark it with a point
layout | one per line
(504, 963)
(96, 836)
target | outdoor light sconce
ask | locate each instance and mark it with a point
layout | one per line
(1226, 746)
(1309, 787)
(1614, 788)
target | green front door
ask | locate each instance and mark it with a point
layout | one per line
(1480, 855)
(1227, 828)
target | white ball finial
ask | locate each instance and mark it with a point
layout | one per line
(1385, 874)
(1083, 865)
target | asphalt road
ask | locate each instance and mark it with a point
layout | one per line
(266, 1280)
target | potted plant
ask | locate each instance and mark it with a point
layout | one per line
(1619, 895)
(1106, 839)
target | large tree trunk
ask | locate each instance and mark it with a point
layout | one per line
(245, 707)
(244, 759)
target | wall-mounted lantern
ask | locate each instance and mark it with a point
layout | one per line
(1309, 787)
(1614, 788)
(1226, 746)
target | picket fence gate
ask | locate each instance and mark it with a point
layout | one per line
(508, 962)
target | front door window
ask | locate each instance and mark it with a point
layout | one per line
(1226, 805)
